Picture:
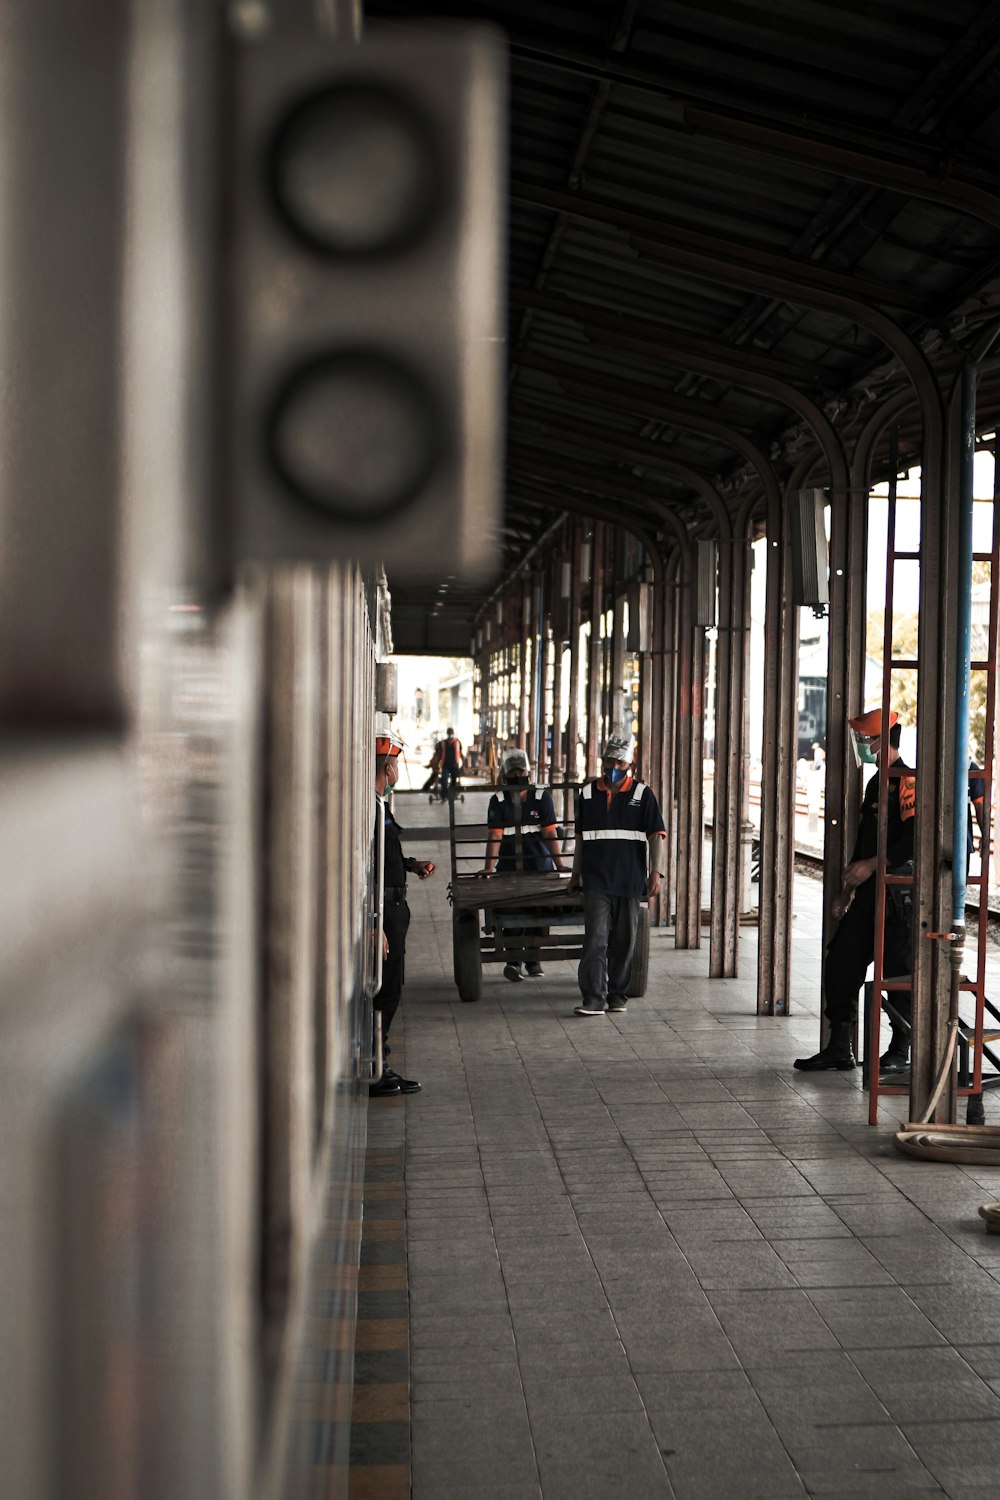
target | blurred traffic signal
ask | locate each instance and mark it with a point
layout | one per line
(363, 279)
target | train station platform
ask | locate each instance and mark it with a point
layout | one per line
(640, 1256)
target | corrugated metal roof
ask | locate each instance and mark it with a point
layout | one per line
(707, 198)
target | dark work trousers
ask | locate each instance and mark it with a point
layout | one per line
(449, 779)
(852, 949)
(610, 925)
(506, 865)
(395, 921)
(531, 955)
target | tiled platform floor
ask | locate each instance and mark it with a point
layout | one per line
(647, 1258)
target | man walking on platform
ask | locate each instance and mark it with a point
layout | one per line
(449, 761)
(852, 947)
(617, 819)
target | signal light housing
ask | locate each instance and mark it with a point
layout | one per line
(363, 372)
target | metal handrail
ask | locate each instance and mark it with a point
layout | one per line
(377, 1063)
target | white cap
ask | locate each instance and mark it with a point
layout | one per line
(515, 760)
(618, 746)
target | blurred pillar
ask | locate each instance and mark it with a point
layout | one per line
(594, 654)
(691, 744)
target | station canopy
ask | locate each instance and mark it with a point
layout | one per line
(730, 221)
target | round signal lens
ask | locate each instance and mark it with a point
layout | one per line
(355, 170)
(355, 434)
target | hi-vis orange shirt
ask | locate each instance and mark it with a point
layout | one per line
(907, 797)
(901, 810)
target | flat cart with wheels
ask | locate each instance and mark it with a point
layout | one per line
(490, 915)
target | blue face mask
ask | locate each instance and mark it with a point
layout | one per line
(614, 775)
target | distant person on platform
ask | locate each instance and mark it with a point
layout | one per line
(395, 912)
(617, 821)
(852, 947)
(450, 761)
(434, 767)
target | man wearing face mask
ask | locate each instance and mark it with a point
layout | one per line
(540, 849)
(852, 947)
(395, 912)
(617, 820)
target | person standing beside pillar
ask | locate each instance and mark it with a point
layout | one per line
(395, 911)
(852, 947)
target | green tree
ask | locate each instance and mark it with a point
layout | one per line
(904, 684)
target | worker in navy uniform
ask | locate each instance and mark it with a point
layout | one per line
(540, 849)
(617, 821)
(852, 947)
(395, 912)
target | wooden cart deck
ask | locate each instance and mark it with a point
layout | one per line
(516, 889)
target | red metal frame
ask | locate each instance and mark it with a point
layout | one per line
(872, 1042)
(977, 986)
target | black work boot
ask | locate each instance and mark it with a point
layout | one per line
(896, 1058)
(386, 1088)
(838, 1052)
(405, 1085)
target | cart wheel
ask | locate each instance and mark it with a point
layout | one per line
(468, 957)
(640, 958)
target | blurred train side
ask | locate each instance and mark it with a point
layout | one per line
(183, 1060)
(185, 832)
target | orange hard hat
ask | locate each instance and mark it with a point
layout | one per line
(870, 723)
(388, 744)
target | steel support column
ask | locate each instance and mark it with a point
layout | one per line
(503, 724)
(648, 660)
(666, 722)
(774, 956)
(935, 765)
(485, 681)
(618, 709)
(669, 725)
(725, 821)
(544, 665)
(525, 616)
(560, 611)
(531, 630)
(573, 709)
(780, 743)
(645, 746)
(682, 867)
(690, 751)
(594, 658)
(729, 736)
(745, 898)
